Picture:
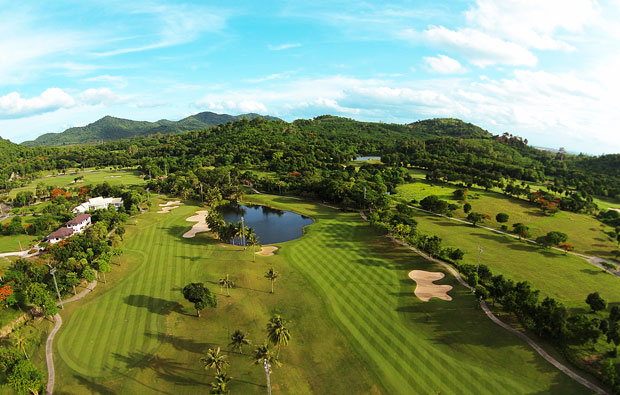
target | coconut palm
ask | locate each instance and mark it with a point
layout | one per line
(238, 341)
(214, 360)
(277, 332)
(226, 282)
(272, 275)
(220, 385)
(253, 241)
(20, 342)
(240, 233)
(264, 352)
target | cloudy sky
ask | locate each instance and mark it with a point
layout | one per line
(546, 70)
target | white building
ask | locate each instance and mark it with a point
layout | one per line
(59, 235)
(79, 223)
(98, 203)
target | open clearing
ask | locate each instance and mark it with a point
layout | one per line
(425, 289)
(345, 289)
(587, 234)
(113, 177)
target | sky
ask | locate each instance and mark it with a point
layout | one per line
(545, 70)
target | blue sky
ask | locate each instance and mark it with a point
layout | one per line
(546, 70)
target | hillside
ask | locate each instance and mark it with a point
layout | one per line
(449, 127)
(110, 128)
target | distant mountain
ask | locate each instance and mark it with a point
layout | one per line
(110, 128)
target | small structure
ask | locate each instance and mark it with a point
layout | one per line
(59, 235)
(79, 223)
(98, 203)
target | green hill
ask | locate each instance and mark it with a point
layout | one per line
(451, 127)
(110, 128)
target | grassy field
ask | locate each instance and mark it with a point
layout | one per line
(91, 176)
(587, 234)
(12, 243)
(566, 278)
(357, 326)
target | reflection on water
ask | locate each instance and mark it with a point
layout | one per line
(271, 225)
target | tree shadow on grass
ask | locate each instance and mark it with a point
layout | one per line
(449, 223)
(593, 271)
(154, 305)
(177, 231)
(165, 368)
(93, 387)
(180, 343)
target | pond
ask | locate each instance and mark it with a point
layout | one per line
(366, 158)
(271, 225)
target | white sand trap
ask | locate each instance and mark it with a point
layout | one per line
(169, 206)
(267, 251)
(426, 289)
(201, 218)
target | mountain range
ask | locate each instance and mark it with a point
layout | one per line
(110, 128)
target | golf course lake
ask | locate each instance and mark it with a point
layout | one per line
(271, 225)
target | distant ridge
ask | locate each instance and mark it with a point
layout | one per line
(110, 128)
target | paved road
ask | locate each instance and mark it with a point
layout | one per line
(594, 260)
(49, 357)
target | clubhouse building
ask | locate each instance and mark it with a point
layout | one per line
(72, 227)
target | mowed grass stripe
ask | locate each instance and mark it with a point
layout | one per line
(322, 261)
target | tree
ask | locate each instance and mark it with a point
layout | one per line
(264, 352)
(481, 292)
(277, 332)
(89, 275)
(596, 302)
(566, 247)
(214, 360)
(466, 208)
(220, 385)
(552, 239)
(475, 218)
(238, 340)
(226, 282)
(104, 267)
(200, 296)
(20, 342)
(71, 279)
(272, 275)
(25, 378)
(460, 194)
(502, 218)
(120, 230)
(614, 314)
(253, 241)
(521, 230)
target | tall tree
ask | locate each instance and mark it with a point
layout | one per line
(72, 280)
(20, 342)
(272, 275)
(238, 340)
(253, 241)
(200, 296)
(214, 359)
(226, 282)
(220, 384)
(277, 332)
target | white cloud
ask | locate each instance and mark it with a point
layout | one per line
(242, 105)
(117, 80)
(98, 96)
(534, 23)
(442, 64)
(480, 48)
(283, 46)
(14, 106)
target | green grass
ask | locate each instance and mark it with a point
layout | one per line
(357, 325)
(12, 243)
(564, 277)
(91, 176)
(586, 233)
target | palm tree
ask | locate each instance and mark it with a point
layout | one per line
(220, 385)
(214, 360)
(277, 333)
(253, 241)
(272, 275)
(240, 233)
(20, 342)
(238, 341)
(264, 352)
(226, 282)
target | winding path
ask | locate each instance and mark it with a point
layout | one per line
(49, 357)
(510, 329)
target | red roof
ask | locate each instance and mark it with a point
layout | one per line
(78, 220)
(60, 233)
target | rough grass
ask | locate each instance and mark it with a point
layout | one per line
(586, 233)
(565, 277)
(11, 243)
(91, 176)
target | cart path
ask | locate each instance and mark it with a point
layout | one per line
(49, 357)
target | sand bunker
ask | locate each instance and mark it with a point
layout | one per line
(426, 289)
(201, 218)
(169, 206)
(267, 251)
